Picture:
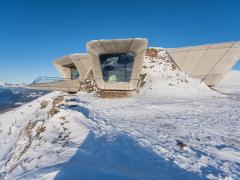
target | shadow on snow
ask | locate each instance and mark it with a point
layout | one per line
(119, 158)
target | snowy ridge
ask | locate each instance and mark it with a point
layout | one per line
(175, 127)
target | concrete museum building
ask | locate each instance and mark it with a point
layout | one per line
(116, 64)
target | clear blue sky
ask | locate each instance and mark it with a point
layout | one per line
(35, 32)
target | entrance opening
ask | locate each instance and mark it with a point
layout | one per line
(117, 67)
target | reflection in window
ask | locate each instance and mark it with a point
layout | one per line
(117, 67)
(74, 73)
(73, 70)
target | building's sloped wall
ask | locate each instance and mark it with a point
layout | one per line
(209, 63)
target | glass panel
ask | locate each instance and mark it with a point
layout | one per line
(74, 73)
(117, 67)
(73, 70)
(43, 79)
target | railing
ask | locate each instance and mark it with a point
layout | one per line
(44, 79)
(55, 83)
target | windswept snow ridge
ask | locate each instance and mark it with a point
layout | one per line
(175, 127)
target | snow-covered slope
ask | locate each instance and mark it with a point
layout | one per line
(165, 80)
(230, 83)
(175, 127)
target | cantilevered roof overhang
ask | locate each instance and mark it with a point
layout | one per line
(210, 63)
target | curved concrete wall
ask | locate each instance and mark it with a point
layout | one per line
(209, 63)
(136, 46)
(81, 61)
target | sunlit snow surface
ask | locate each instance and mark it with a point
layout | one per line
(171, 129)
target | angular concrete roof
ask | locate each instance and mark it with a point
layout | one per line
(209, 62)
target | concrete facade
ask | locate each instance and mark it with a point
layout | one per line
(210, 63)
(136, 46)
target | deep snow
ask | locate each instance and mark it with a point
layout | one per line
(175, 127)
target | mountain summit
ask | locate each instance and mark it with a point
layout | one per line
(173, 127)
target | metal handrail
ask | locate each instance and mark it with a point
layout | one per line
(45, 79)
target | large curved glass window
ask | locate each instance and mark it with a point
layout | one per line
(117, 67)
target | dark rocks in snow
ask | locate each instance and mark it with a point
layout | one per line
(142, 79)
(88, 85)
(152, 52)
(181, 144)
(43, 104)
